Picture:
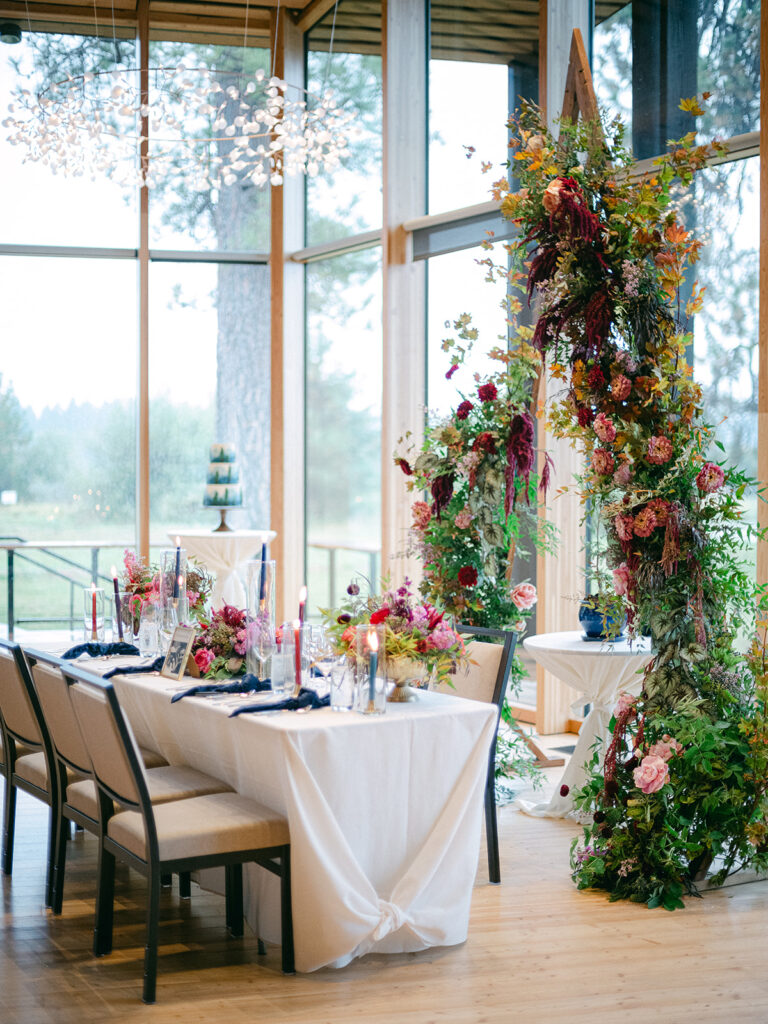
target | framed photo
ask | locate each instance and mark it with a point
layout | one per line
(178, 651)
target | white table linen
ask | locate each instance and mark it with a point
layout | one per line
(599, 671)
(225, 554)
(385, 811)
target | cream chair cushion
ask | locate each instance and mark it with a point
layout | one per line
(152, 759)
(32, 768)
(478, 680)
(205, 825)
(164, 784)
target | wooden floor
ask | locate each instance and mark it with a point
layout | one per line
(538, 951)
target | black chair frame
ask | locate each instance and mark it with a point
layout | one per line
(13, 782)
(509, 640)
(275, 859)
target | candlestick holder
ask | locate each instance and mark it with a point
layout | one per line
(93, 615)
(260, 579)
(370, 687)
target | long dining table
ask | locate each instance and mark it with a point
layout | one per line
(384, 811)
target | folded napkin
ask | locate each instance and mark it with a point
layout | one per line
(247, 684)
(129, 670)
(99, 650)
(306, 699)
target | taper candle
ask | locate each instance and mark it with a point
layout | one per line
(373, 646)
(118, 611)
(94, 625)
(297, 658)
(302, 604)
(178, 568)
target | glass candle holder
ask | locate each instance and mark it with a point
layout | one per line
(93, 615)
(296, 669)
(370, 670)
(126, 612)
(174, 605)
(261, 645)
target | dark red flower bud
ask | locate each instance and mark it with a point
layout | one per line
(467, 576)
(353, 590)
(586, 416)
(405, 466)
(344, 619)
(565, 790)
(598, 816)
(452, 370)
(596, 378)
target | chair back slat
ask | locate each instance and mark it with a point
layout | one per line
(15, 703)
(113, 767)
(53, 693)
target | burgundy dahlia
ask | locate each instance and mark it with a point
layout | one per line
(485, 441)
(586, 416)
(596, 379)
(487, 392)
(467, 576)
(464, 409)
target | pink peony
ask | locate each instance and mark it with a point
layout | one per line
(677, 748)
(602, 462)
(710, 478)
(622, 577)
(662, 750)
(551, 197)
(203, 659)
(645, 522)
(623, 475)
(463, 519)
(604, 428)
(651, 774)
(524, 596)
(621, 387)
(422, 515)
(625, 526)
(443, 637)
(624, 703)
(659, 450)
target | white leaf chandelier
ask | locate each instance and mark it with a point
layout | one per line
(204, 128)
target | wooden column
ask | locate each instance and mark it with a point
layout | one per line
(762, 407)
(405, 196)
(287, 356)
(560, 578)
(142, 377)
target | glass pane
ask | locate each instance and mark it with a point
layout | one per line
(649, 56)
(185, 214)
(477, 65)
(209, 384)
(49, 208)
(348, 200)
(67, 427)
(725, 333)
(456, 285)
(343, 388)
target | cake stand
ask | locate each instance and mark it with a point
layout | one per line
(223, 526)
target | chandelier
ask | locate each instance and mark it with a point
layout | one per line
(203, 128)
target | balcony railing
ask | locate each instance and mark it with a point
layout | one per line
(76, 564)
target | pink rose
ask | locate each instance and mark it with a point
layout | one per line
(662, 750)
(604, 428)
(524, 596)
(677, 748)
(710, 478)
(622, 577)
(645, 522)
(625, 702)
(621, 387)
(463, 519)
(422, 515)
(602, 462)
(203, 659)
(551, 197)
(625, 526)
(659, 450)
(623, 475)
(651, 774)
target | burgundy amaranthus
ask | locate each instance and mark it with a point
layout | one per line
(442, 492)
(520, 457)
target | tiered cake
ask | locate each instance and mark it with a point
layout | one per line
(223, 484)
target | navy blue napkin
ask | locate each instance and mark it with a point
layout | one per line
(306, 699)
(99, 650)
(247, 684)
(130, 670)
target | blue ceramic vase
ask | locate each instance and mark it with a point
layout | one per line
(595, 626)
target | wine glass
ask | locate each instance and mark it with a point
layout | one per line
(261, 642)
(323, 657)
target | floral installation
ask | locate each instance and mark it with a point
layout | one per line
(220, 645)
(603, 251)
(413, 629)
(142, 582)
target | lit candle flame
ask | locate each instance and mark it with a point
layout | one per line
(93, 588)
(181, 581)
(113, 570)
(303, 595)
(296, 624)
(373, 640)
(178, 542)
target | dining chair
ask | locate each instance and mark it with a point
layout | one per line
(79, 798)
(222, 829)
(485, 679)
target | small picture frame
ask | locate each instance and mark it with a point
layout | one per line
(175, 662)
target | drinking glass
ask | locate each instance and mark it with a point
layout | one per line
(93, 614)
(342, 683)
(148, 632)
(323, 656)
(290, 634)
(260, 628)
(128, 617)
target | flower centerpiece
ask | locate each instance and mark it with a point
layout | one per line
(685, 777)
(220, 646)
(417, 637)
(142, 582)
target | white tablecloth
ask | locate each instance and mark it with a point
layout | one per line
(224, 554)
(599, 671)
(384, 811)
